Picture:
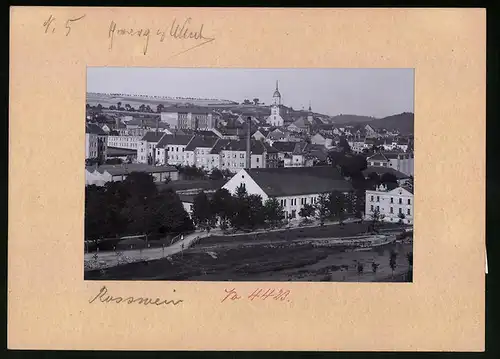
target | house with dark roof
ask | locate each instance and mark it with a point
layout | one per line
(95, 142)
(146, 148)
(293, 187)
(396, 204)
(197, 153)
(99, 175)
(170, 149)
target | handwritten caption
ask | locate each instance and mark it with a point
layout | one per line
(261, 294)
(104, 297)
(185, 29)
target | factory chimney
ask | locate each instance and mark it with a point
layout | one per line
(157, 125)
(249, 122)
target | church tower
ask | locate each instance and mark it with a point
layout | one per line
(310, 114)
(276, 96)
(275, 119)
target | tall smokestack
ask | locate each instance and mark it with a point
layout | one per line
(157, 124)
(249, 121)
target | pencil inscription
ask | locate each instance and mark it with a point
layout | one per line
(177, 30)
(103, 297)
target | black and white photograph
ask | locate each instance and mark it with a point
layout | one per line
(234, 174)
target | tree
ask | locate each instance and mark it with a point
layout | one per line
(222, 206)
(322, 208)
(114, 161)
(255, 101)
(376, 218)
(360, 268)
(307, 211)
(392, 261)
(127, 107)
(388, 178)
(216, 174)
(246, 102)
(173, 216)
(112, 107)
(99, 107)
(142, 108)
(256, 213)
(119, 106)
(273, 212)
(401, 217)
(344, 145)
(359, 203)
(336, 205)
(349, 205)
(374, 267)
(409, 258)
(160, 108)
(203, 216)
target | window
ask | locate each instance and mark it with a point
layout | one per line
(177, 149)
(378, 198)
(378, 208)
(409, 201)
(371, 208)
(284, 202)
(400, 201)
(371, 198)
(392, 210)
(400, 211)
(392, 200)
(234, 155)
(408, 212)
(242, 155)
(257, 160)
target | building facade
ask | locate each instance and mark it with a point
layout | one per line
(393, 205)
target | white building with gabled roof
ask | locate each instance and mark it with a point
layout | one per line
(393, 204)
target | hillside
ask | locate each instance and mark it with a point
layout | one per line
(403, 122)
(350, 119)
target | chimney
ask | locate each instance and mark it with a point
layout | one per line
(157, 125)
(117, 122)
(249, 121)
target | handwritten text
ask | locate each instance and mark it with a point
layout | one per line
(103, 297)
(176, 30)
(258, 294)
(50, 25)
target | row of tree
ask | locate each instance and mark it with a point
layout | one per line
(248, 211)
(133, 207)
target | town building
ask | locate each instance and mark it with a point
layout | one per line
(275, 119)
(95, 142)
(171, 149)
(125, 155)
(394, 205)
(293, 187)
(100, 175)
(124, 141)
(402, 178)
(146, 150)
(319, 139)
(400, 161)
(190, 118)
(197, 153)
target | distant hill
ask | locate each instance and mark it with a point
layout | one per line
(403, 122)
(350, 119)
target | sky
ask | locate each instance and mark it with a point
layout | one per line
(368, 92)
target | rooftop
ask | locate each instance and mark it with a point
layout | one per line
(295, 181)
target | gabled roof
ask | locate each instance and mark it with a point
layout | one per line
(118, 170)
(153, 136)
(256, 147)
(380, 170)
(94, 129)
(295, 181)
(377, 157)
(284, 146)
(174, 140)
(200, 141)
(402, 190)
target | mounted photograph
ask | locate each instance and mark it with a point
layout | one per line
(231, 174)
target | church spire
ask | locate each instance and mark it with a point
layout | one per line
(310, 106)
(276, 85)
